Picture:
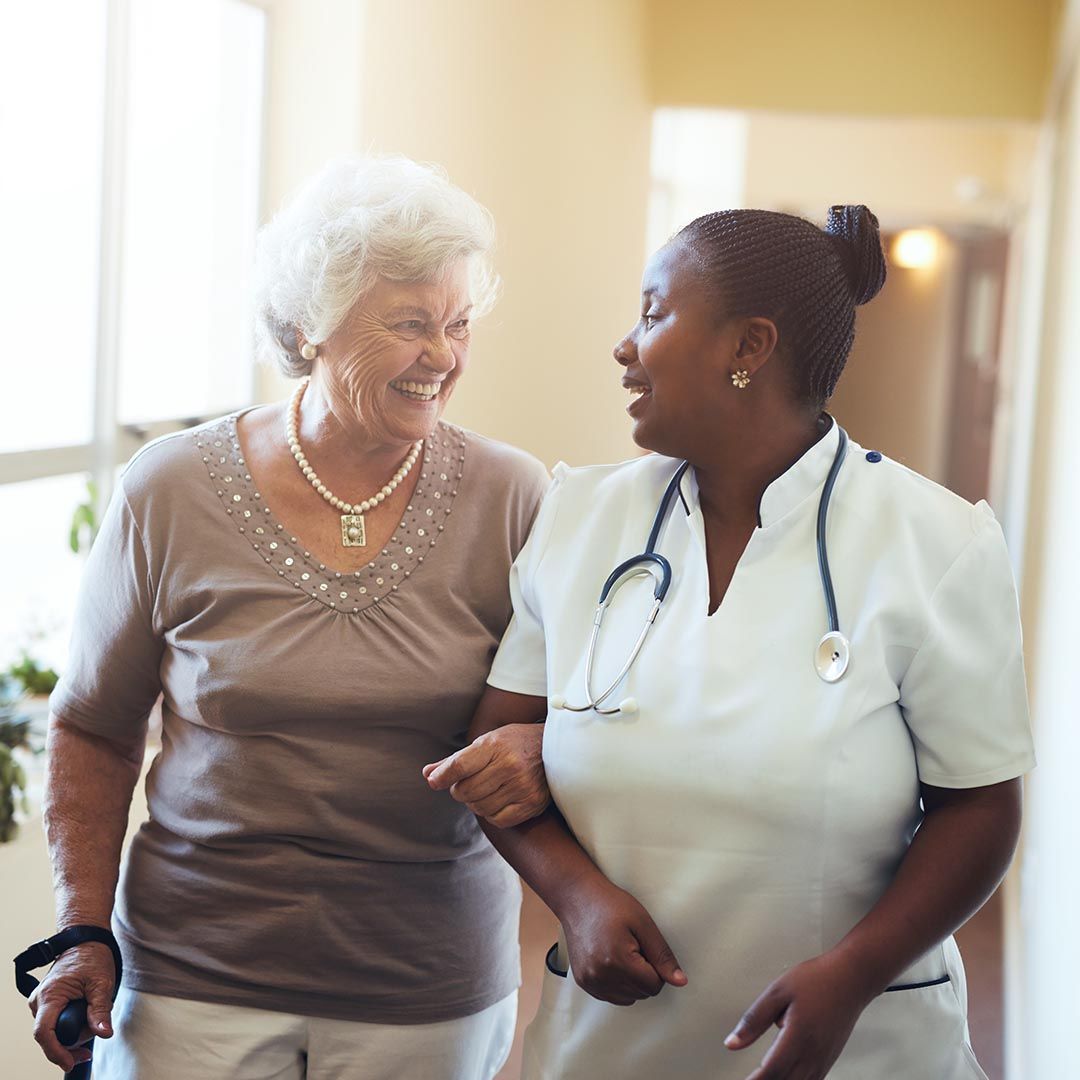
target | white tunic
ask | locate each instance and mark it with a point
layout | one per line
(757, 812)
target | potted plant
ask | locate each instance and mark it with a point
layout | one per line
(14, 734)
(35, 680)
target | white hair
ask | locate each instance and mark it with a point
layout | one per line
(356, 221)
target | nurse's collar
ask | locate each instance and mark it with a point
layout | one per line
(802, 481)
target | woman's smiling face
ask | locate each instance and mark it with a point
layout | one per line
(395, 360)
(670, 355)
(680, 358)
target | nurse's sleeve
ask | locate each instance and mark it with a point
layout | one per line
(520, 665)
(964, 697)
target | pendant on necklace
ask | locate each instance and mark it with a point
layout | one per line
(352, 530)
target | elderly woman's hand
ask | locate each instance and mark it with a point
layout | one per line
(499, 777)
(86, 971)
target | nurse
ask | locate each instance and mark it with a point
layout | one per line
(767, 865)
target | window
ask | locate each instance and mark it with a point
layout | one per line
(128, 234)
(191, 203)
(698, 165)
(50, 219)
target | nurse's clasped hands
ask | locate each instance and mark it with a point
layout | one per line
(617, 953)
(815, 1005)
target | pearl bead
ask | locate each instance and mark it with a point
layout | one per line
(292, 438)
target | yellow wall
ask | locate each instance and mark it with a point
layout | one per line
(967, 58)
(907, 171)
(312, 90)
(542, 112)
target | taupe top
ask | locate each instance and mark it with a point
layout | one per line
(294, 859)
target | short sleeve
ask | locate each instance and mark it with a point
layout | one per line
(520, 665)
(112, 677)
(964, 696)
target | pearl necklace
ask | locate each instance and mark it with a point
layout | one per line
(353, 533)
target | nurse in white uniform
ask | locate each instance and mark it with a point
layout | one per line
(767, 865)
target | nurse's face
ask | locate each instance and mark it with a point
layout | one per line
(678, 360)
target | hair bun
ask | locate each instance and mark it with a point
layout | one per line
(857, 227)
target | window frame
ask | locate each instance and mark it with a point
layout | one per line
(111, 442)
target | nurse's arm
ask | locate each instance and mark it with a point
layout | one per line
(957, 859)
(955, 862)
(617, 953)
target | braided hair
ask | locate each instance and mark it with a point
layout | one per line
(806, 280)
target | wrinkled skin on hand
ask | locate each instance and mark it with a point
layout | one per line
(499, 777)
(86, 971)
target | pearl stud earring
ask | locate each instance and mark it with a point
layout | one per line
(740, 379)
(308, 351)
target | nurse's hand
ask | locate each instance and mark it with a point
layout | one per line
(815, 1006)
(617, 953)
(499, 776)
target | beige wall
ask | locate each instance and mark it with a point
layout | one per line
(313, 89)
(963, 58)
(909, 172)
(894, 394)
(895, 390)
(542, 112)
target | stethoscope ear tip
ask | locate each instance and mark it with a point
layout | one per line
(628, 705)
(558, 702)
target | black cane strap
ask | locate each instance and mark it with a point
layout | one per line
(52, 948)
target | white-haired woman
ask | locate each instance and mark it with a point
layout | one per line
(317, 589)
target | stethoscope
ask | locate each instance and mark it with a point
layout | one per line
(831, 656)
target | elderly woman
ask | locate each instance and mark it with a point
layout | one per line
(316, 589)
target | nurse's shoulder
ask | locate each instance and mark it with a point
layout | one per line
(912, 514)
(632, 487)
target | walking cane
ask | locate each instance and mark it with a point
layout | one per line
(72, 1019)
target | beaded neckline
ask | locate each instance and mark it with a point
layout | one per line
(421, 525)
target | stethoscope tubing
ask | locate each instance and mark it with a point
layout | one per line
(822, 525)
(833, 651)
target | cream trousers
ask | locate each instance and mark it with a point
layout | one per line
(163, 1038)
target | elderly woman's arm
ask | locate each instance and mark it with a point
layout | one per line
(617, 953)
(499, 776)
(89, 786)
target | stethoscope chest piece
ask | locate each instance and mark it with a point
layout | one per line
(831, 657)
